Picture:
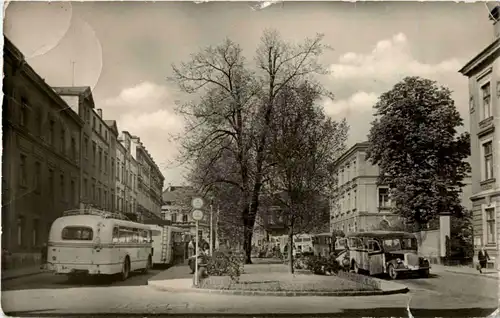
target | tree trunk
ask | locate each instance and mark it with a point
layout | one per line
(290, 250)
(248, 225)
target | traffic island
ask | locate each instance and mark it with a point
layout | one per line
(283, 284)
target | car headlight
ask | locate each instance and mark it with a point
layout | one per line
(399, 261)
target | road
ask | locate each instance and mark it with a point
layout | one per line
(443, 294)
(51, 281)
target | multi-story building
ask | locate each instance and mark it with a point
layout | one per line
(483, 72)
(40, 162)
(129, 172)
(359, 203)
(96, 175)
(177, 208)
(149, 182)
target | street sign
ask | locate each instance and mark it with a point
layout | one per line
(197, 203)
(197, 215)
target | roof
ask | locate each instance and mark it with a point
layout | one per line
(84, 91)
(178, 193)
(382, 234)
(356, 147)
(112, 124)
(490, 51)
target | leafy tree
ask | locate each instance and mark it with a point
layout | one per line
(235, 109)
(415, 143)
(303, 146)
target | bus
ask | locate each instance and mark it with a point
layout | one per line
(95, 242)
(385, 252)
(168, 243)
(323, 244)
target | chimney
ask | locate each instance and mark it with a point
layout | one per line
(99, 111)
(494, 15)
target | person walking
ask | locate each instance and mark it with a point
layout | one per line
(483, 258)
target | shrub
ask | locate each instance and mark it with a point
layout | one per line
(225, 264)
(320, 265)
(361, 279)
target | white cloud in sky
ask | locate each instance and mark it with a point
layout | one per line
(362, 77)
(147, 110)
(389, 60)
(358, 102)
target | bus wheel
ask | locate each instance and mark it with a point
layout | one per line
(125, 269)
(392, 272)
(148, 266)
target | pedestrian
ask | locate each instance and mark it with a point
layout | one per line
(483, 258)
(43, 259)
(191, 248)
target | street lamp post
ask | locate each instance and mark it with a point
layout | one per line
(211, 227)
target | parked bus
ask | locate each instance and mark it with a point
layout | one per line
(167, 243)
(323, 244)
(94, 242)
(385, 252)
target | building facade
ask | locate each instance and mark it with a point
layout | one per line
(129, 171)
(359, 203)
(177, 209)
(149, 182)
(483, 72)
(96, 176)
(40, 162)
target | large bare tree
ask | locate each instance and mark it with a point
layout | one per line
(236, 108)
(303, 146)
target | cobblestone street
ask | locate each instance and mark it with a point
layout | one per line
(443, 294)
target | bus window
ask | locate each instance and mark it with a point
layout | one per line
(116, 235)
(126, 235)
(135, 235)
(77, 233)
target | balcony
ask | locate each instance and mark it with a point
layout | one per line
(486, 126)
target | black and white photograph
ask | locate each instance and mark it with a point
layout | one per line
(250, 159)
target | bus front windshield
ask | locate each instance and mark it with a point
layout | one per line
(400, 244)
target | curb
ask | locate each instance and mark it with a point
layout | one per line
(22, 275)
(162, 287)
(477, 275)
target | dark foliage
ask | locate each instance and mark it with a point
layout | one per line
(421, 157)
(320, 265)
(225, 264)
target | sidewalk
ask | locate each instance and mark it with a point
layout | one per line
(465, 270)
(21, 272)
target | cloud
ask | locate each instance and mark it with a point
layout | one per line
(388, 61)
(359, 102)
(147, 110)
(359, 78)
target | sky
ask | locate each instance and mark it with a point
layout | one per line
(124, 52)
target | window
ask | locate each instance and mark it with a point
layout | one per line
(20, 231)
(93, 192)
(383, 197)
(51, 183)
(24, 113)
(104, 199)
(23, 172)
(116, 234)
(77, 233)
(106, 163)
(488, 160)
(106, 135)
(348, 201)
(37, 182)
(99, 164)
(73, 148)
(34, 232)
(112, 166)
(184, 218)
(490, 225)
(118, 170)
(52, 124)
(93, 124)
(38, 121)
(100, 129)
(63, 141)
(112, 201)
(86, 147)
(85, 188)
(72, 192)
(354, 200)
(94, 152)
(486, 94)
(62, 185)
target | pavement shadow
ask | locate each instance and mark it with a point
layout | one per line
(367, 312)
